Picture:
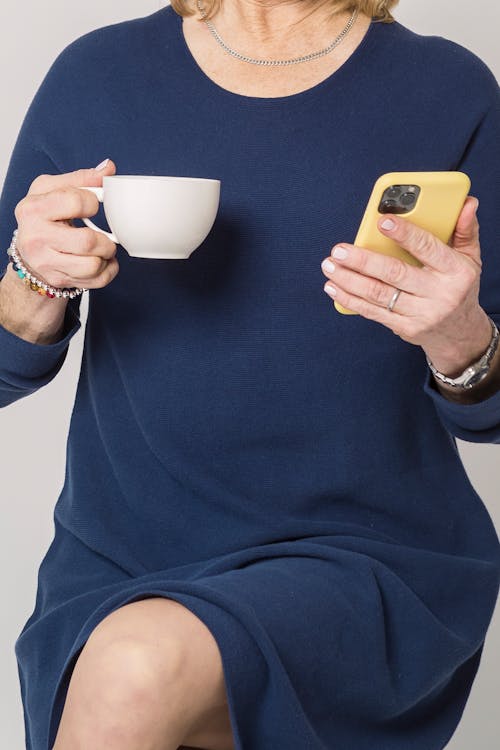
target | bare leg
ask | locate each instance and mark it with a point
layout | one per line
(149, 678)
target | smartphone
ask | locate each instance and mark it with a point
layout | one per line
(432, 200)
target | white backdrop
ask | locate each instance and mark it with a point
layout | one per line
(34, 430)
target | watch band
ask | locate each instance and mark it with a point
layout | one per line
(475, 372)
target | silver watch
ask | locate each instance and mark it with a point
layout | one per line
(477, 370)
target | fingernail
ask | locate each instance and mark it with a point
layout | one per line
(330, 290)
(102, 165)
(340, 252)
(388, 224)
(328, 266)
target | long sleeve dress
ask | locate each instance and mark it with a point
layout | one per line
(288, 473)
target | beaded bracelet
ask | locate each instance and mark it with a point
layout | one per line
(31, 280)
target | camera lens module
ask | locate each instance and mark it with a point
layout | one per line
(393, 192)
(408, 199)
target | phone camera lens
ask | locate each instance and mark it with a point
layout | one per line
(407, 199)
(393, 192)
(389, 203)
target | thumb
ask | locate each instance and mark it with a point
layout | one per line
(465, 237)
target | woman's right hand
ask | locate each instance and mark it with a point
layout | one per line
(54, 250)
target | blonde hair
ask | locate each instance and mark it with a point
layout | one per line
(378, 10)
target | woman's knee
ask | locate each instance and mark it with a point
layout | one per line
(157, 642)
(122, 694)
(129, 672)
(154, 657)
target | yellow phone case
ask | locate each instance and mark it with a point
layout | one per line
(441, 199)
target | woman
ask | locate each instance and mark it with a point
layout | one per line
(266, 538)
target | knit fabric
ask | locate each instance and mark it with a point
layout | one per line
(288, 473)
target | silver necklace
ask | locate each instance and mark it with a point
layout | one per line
(304, 58)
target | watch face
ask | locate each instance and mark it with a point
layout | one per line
(476, 377)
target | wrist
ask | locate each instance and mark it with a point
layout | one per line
(28, 315)
(487, 387)
(479, 379)
(453, 362)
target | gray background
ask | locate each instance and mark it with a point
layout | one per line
(34, 430)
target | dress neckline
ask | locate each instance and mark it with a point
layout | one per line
(348, 68)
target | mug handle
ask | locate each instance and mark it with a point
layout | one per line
(98, 191)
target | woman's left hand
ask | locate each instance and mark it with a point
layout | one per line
(438, 307)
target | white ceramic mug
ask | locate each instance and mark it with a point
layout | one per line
(155, 216)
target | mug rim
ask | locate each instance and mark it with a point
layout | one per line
(157, 177)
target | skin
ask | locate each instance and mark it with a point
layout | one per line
(56, 252)
(274, 30)
(438, 308)
(150, 676)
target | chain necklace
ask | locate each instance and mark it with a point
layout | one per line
(304, 58)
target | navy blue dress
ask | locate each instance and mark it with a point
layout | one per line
(288, 473)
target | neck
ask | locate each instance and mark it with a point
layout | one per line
(273, 27)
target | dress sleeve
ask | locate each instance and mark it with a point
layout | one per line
(25, 366)
(480, 422)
